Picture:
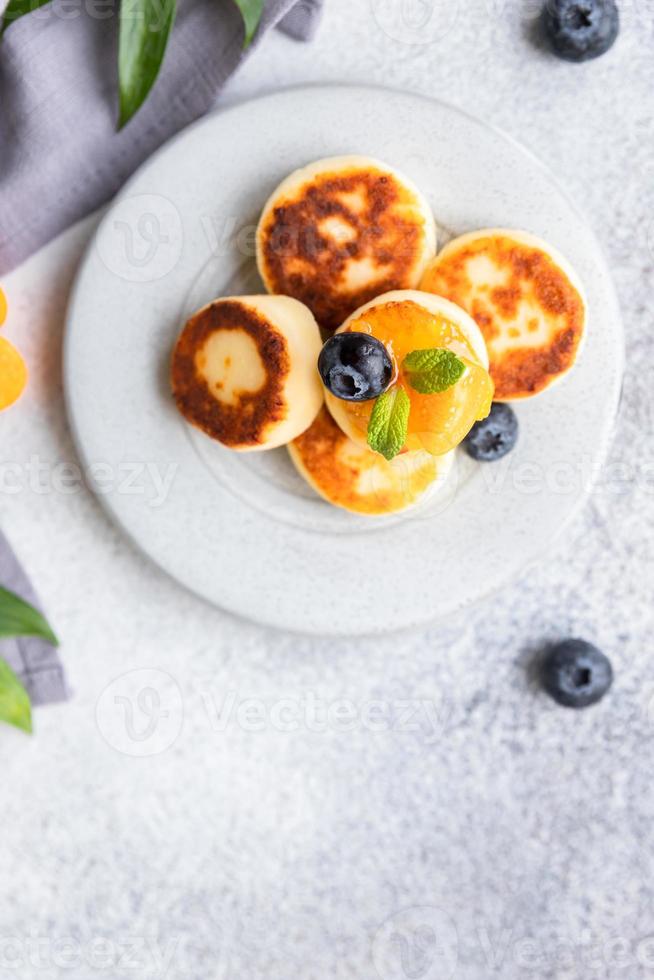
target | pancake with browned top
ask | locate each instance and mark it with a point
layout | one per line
(358, 480)
(244, 371)
(526, 299)
(342, 230)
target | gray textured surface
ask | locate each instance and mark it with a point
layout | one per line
(239, 852)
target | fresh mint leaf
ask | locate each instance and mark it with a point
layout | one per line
(15, 706)
(18, 618)
(389, 422)
(432, 370)
(251, 11)
(145, 26)
(16, 9)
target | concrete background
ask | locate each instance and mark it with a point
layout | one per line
(221, 801)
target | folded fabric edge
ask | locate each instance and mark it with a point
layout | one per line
(45, 685)
(299, 22)
(302, 21)
(34, 661)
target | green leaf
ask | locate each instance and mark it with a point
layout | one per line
(16, 9)
(432, 370)
(18, 618)
(251, 11)
(15, 706)
(145, 26)
(389, 422)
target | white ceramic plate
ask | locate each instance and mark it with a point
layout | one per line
(243, 530)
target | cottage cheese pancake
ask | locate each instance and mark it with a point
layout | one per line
(526, 298)
(355, 478)
(244, 371)
(342, 230)
(406, 320)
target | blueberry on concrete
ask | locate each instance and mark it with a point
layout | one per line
(581, 29)
(576, 674)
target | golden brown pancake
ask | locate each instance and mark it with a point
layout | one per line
(339, 232)
(526, 299)
(357, 479)
(244, 371)
(405, 320)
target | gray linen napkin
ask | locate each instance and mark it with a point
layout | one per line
(60, 157)
(60, 154)
(34, 660)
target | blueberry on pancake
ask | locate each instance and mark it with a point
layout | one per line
(407, 320)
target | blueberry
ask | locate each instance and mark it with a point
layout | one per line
(581, 29)
(576, 673)
(355, 366)
(494, 436)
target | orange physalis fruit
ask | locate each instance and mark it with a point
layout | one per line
(13, 374)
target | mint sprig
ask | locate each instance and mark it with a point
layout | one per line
(389, 422)
(432, 370)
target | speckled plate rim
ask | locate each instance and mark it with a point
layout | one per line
(369, 604)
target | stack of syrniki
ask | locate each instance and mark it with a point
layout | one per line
(372, 356)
